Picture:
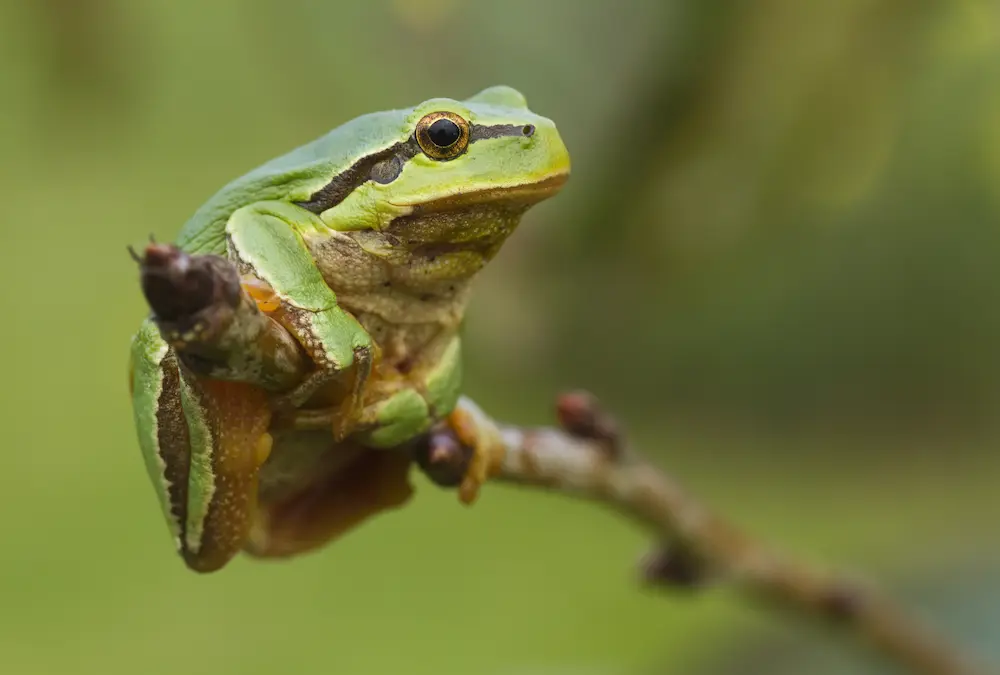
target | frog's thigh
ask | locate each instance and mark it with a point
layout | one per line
(266, 236)
(367, 483)
(203, 443)
(412, 411)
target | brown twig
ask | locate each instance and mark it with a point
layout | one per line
(587, 458)
(207, 315)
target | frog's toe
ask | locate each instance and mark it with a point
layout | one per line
(345, 417)
(482, 437)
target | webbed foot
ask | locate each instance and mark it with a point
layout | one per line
(477, 454)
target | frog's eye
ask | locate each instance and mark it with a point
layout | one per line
(442, 135)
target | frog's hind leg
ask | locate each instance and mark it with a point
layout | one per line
(366, 483)
(203, 442)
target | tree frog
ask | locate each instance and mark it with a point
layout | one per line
(361, 245)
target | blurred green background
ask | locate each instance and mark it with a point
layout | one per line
(776, 260)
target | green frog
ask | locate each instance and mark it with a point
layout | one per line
(361, 246)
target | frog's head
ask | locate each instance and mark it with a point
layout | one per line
(450, 173)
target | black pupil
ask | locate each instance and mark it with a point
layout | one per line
(444, 133)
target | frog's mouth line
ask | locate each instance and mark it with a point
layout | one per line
(523, 195)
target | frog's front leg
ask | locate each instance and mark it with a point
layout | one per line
(203, 442)
(265, 241)
(435, 396)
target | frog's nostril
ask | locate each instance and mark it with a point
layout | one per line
(528, 130)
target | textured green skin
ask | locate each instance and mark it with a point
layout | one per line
(148, 352)
(409, 413)
(267, 236)
(297, 175)
(264, 229)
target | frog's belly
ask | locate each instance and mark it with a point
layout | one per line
(300, 459)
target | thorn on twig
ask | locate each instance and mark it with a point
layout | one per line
(674, 566)
(442, 457)
(581, 415)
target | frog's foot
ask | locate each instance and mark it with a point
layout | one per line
(371, 482)
(346, 415)
(477, 432)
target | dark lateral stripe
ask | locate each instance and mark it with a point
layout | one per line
(479, 133)
(385, 166)
(173, 441)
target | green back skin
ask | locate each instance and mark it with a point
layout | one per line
(302, 173)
